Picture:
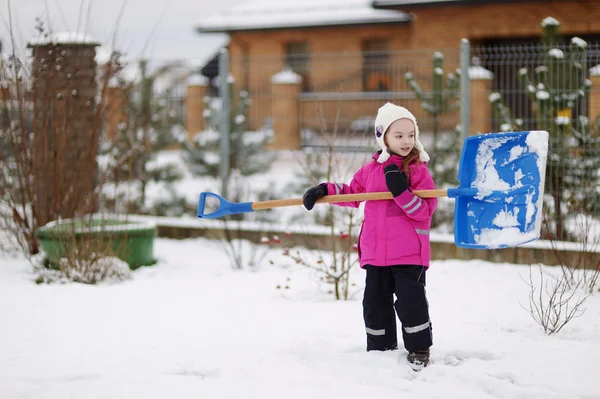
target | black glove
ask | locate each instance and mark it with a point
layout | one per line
(313, 194)
(396, 181)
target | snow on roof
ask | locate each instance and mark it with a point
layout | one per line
(273, 14)
(63, 38)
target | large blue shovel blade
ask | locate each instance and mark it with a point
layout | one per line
(507, 170)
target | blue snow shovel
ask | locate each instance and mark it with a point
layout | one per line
(498, 202)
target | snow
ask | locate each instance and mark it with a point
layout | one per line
(106, 223)
(556, 53)
(550, 21)
(542, 95)
(488, 181)
(64, 38)
(191, 327)
(197, 80)
(494, 97)
(480, 73)
(268, 14)
(579, 42)
(286, 168)
(287, 76)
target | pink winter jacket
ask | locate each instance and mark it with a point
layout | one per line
(394, 232)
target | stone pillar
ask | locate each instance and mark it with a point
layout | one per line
(194, 113)
(594, 103)
(3, 91)
(286, 87)
(116, 101)
(481, 107)
(66, 128)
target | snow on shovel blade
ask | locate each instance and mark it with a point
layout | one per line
(507, 170)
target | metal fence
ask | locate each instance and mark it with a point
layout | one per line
(346, 87)
(342, 91)
(567, 73)
(512, 87)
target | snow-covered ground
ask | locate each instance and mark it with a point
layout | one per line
(192, 327)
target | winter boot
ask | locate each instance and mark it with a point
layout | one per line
(418, 360)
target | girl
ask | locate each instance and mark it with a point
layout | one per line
(393, 245)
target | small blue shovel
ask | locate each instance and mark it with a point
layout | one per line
(498, 201)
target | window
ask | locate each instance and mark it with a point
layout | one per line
(297, 57)
(376, 68)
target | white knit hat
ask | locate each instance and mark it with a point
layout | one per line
(388, 114)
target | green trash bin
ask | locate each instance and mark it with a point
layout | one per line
(129, 240)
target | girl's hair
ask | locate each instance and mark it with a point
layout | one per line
(413, 156)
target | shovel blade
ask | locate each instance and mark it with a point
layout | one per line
(508, 172)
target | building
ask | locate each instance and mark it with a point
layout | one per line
(353, 55)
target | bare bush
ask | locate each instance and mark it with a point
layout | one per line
(93, 268)
(242, 253)
(553, 300)
(333, 266)
(91, 249)
(51, 116)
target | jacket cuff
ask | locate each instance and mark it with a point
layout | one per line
(409, 202)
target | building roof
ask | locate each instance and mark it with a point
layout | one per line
(281, 14)
(399, 4)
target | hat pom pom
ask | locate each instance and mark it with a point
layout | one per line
(423, 156)
(384, 156)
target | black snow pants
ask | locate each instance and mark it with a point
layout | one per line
(408, 284)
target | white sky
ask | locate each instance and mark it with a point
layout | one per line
(174, 19)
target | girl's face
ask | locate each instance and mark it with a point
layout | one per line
(400, 137)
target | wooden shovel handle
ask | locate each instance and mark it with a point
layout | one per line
(346, 198)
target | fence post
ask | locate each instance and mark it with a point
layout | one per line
(194, 101)
(481, 108)
(224, 117)
(116, 102)
(286, 88)
(465, 90)
(594, 105)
